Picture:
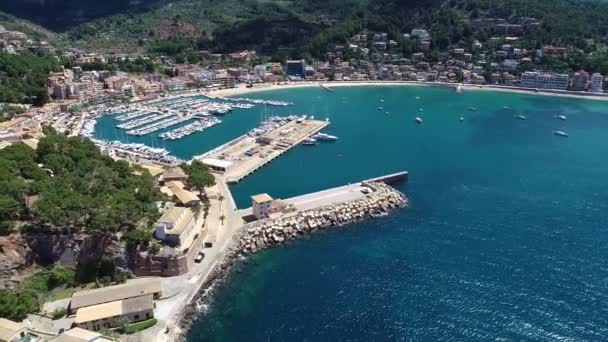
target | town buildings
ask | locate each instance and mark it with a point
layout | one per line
(261, 205)
(176, 227)
(107, 307)
(12, 331)
(295, 69)
(597, 83)
(544, 80)
(581, 78)
(79, 335)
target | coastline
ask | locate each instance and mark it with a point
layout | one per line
(228, 92)
(271, 232)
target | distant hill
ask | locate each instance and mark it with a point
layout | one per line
(296, 27)
(62, 14)
(34, 31)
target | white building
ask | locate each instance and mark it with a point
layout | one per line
(217, 165)
(261, 205)
(597, 83)
(542, 80)
(176, 227)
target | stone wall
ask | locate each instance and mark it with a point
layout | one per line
(145, 265)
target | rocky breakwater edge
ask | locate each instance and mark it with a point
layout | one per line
(267, 233)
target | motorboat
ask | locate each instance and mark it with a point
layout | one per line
(380, 108)
(560, 133)
(461, 119)
(309, 141)
(324, 137)
(418, 120)
(520, 117)
(472, 109)
(562, 117)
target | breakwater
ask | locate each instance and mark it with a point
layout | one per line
(270, 232)
(266, 233)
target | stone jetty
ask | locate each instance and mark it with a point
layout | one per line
(266, 233)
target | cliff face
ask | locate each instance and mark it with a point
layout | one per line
(15, 260)
(18, 253)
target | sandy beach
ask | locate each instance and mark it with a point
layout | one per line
(465, 87)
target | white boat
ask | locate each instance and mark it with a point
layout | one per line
(560, 133)
(520, 117)
(309, 141)
(325, 137)
(380, 108)
(381, 101)
(562, 117)
(507, 107)
(418, 120)
(417, 97)
(472, 109)
(461, 119)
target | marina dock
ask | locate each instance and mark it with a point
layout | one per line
(246, 154)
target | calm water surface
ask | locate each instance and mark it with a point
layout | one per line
(505, 238)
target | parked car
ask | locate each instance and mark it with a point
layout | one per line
(199, 257)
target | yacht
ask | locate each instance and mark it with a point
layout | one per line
(520, 117)
(309, 141)
(560, 133)
(325, 137)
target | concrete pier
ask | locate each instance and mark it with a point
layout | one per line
(336, 195)
(248, 154)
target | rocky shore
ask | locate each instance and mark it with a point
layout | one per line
(270, 232)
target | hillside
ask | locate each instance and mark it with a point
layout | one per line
(33, 31)
(58, 15)
(306, 27)
(265, 25)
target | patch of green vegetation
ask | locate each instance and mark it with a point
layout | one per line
(8, 112)
(16, 306)
(78, 188)
(139, 65)
(23, 78)
(139, 326)
(199, 176)
(59, 313)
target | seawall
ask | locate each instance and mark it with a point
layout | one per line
(270, 232)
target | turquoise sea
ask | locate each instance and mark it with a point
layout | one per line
(505, 238)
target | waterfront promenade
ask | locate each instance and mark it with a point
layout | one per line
(222, 223)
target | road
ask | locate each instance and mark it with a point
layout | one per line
(179, 291)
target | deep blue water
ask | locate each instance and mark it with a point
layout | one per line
(505, 238)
